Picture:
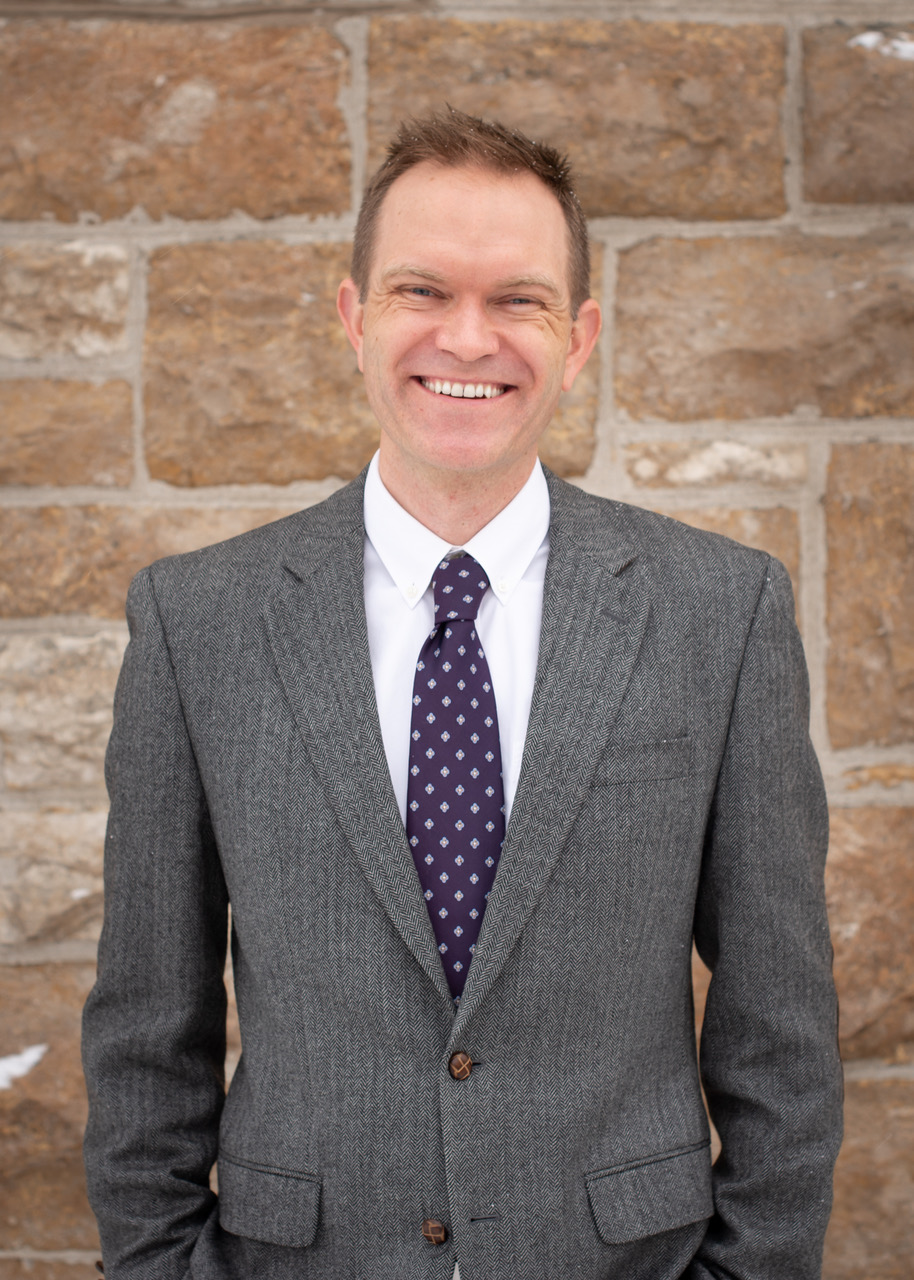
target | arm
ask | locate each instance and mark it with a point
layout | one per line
(154, 1024)
(769, 1058)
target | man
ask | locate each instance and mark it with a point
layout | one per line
(473, 756)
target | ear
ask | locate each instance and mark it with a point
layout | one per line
(584, 333)
(352, 314)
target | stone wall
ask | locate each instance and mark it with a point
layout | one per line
(177, 186)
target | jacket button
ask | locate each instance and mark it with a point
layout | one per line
(460, 1065)
(434, 1231)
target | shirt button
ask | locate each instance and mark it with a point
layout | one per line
(460, 1065)
(503, 585)
(434, 1231)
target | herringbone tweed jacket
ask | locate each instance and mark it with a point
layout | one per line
(668, 791)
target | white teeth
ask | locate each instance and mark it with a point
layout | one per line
(464, 390)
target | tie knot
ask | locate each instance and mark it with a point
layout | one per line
(459, 585)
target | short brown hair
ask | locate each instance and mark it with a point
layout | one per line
(457, 140)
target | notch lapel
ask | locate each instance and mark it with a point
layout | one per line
(595, 609)
(315, 621)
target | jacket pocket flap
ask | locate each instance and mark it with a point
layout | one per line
(644, 761)
(632, 1201)
(271, 1205)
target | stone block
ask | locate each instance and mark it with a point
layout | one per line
(63, 299)
(870, 589)
(66, 432)
(43, 1113)
(30, 1267)
(60, 560)
(765, 327)
(872, 1224)
(56, 694)
(708, 463)
(659, 118)
(772, 529)
(51, 875)
(858, 115)
(870, 881)
(189, 120)
(881, 775)
(249, 375)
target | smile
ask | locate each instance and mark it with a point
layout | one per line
(465, 390)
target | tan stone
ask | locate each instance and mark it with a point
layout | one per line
(870, 585)
(772, 529)
(870, 880)
(657, 117)
(38, 1268)
(42, 1114)
(58, 560)
(757, 327)
(51, 875)
(193, 120)
(66, 432)
(63, 299)
(249, 376)
(882, 775)
(688, 463)
(858, 116)
(56, 695)
(873, 1221)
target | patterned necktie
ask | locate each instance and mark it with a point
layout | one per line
(455, 809)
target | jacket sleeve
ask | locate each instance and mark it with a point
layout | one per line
(769, 1056)
(154, 1024)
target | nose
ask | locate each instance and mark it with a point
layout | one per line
(468, 332)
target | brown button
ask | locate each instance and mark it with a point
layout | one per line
(434, 1231)
(460, 1065)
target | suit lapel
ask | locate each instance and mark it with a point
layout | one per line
(595, 609)
(315, 620)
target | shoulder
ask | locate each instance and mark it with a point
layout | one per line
(232, 573)
(598, 523)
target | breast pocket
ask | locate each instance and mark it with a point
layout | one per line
(644, 761)
(640, 1199)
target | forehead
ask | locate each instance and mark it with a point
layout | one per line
(473, 215)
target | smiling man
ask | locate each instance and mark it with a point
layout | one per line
(475, 758)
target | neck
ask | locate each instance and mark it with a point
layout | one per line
(454, 505)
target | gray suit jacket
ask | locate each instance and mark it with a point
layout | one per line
(668, 791)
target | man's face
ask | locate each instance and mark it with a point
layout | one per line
(465, 338)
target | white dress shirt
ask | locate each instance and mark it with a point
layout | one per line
(400, 559)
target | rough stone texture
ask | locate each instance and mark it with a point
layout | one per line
(189, 120)
(66, 432)
(58, 560)
(858, 118)
(249, 375)
(56, 694)
(62, 299)
(42, 1114)
(30, 1268)
(772, 529)
(873, 1221)
(870, 882)
(50, 875)
(883, 775)
(870, 586)
(681, 464)
(661, 118)
(766, 326)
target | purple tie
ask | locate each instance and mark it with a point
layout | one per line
(455, 807)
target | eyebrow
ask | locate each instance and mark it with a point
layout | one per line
(515, 282)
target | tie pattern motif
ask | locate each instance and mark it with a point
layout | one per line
(455, 808)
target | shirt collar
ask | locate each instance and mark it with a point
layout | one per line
(504, 547)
